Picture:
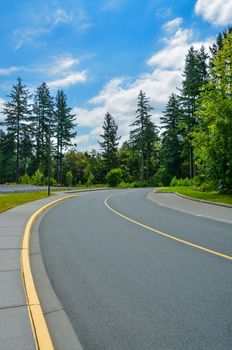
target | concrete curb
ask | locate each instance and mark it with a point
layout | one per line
(60, 327)
(196, 200)
(38, 323)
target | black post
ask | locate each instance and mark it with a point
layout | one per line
(49, 159)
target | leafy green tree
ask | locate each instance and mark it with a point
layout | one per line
(109, 143)
(64, 130)
(17, 121)
(37, 178)
(171, 140)
(212, 136)
(195, 76)
(114, 177)
(144, 135)
(218, 45)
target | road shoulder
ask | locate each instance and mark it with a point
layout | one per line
(186, 205)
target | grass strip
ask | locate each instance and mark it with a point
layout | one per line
(11, 200)
(197, 194)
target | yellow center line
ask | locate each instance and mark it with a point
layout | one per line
(158, 232)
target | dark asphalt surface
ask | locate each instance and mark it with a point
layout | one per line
(126, 288)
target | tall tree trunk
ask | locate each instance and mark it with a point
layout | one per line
(142, 167)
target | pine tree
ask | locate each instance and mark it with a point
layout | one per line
(144, 134)
(63, 130)
(18, 125)
(171, 140)
(109, 143)
(44, 119)
(195, 76)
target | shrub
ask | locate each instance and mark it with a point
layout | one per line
(114, 177)
(25, 179)
(37, 178)
(180, 182)
(90, 179)
(125, 185)
(69, 178)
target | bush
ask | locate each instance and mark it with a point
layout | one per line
(90, 179)
(25, 180)
(125, 185)
(69, 178)
(181, 182)
(161, 177)
(114, 177)
(37, 178)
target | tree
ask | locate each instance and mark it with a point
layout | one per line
(114, 177)
(218, 45)
(144, 134)
(195, 76)
(44, 123)
(64, 133)
(18, 125)
(109, 142)
(171, 142)
(212, 136)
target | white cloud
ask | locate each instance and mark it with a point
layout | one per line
(39, 25)
(60, 65)
(217, 12)
(60, 16)
(163, 12)
(173, 24)
(109, 5)
(28, 37)
(2, 102)
(69, 80)
(173, 54)
(119, 95)
(7, 71)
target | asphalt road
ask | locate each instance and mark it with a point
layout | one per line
(127, 288)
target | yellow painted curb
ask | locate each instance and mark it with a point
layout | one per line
(38, 323)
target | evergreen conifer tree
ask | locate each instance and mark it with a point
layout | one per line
(44, 122)
(64, 132)
(195, 76)
(18, 126)
(171, 139)
(144, 134)
(109, 143)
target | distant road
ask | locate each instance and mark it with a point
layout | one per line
(126, 287)
(25, 188)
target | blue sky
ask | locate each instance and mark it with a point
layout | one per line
(102, 53)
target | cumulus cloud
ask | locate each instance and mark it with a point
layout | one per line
(69, 80)
(173, 24)
(60, 65)
(172, 56)
(216, 12)
(119, 95)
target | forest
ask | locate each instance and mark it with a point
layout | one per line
(192, 145)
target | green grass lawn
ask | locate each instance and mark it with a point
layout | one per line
(11, 200)
(206, 196)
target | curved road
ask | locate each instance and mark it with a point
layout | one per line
(125, 287)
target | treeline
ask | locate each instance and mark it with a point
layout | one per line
(194, 140)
